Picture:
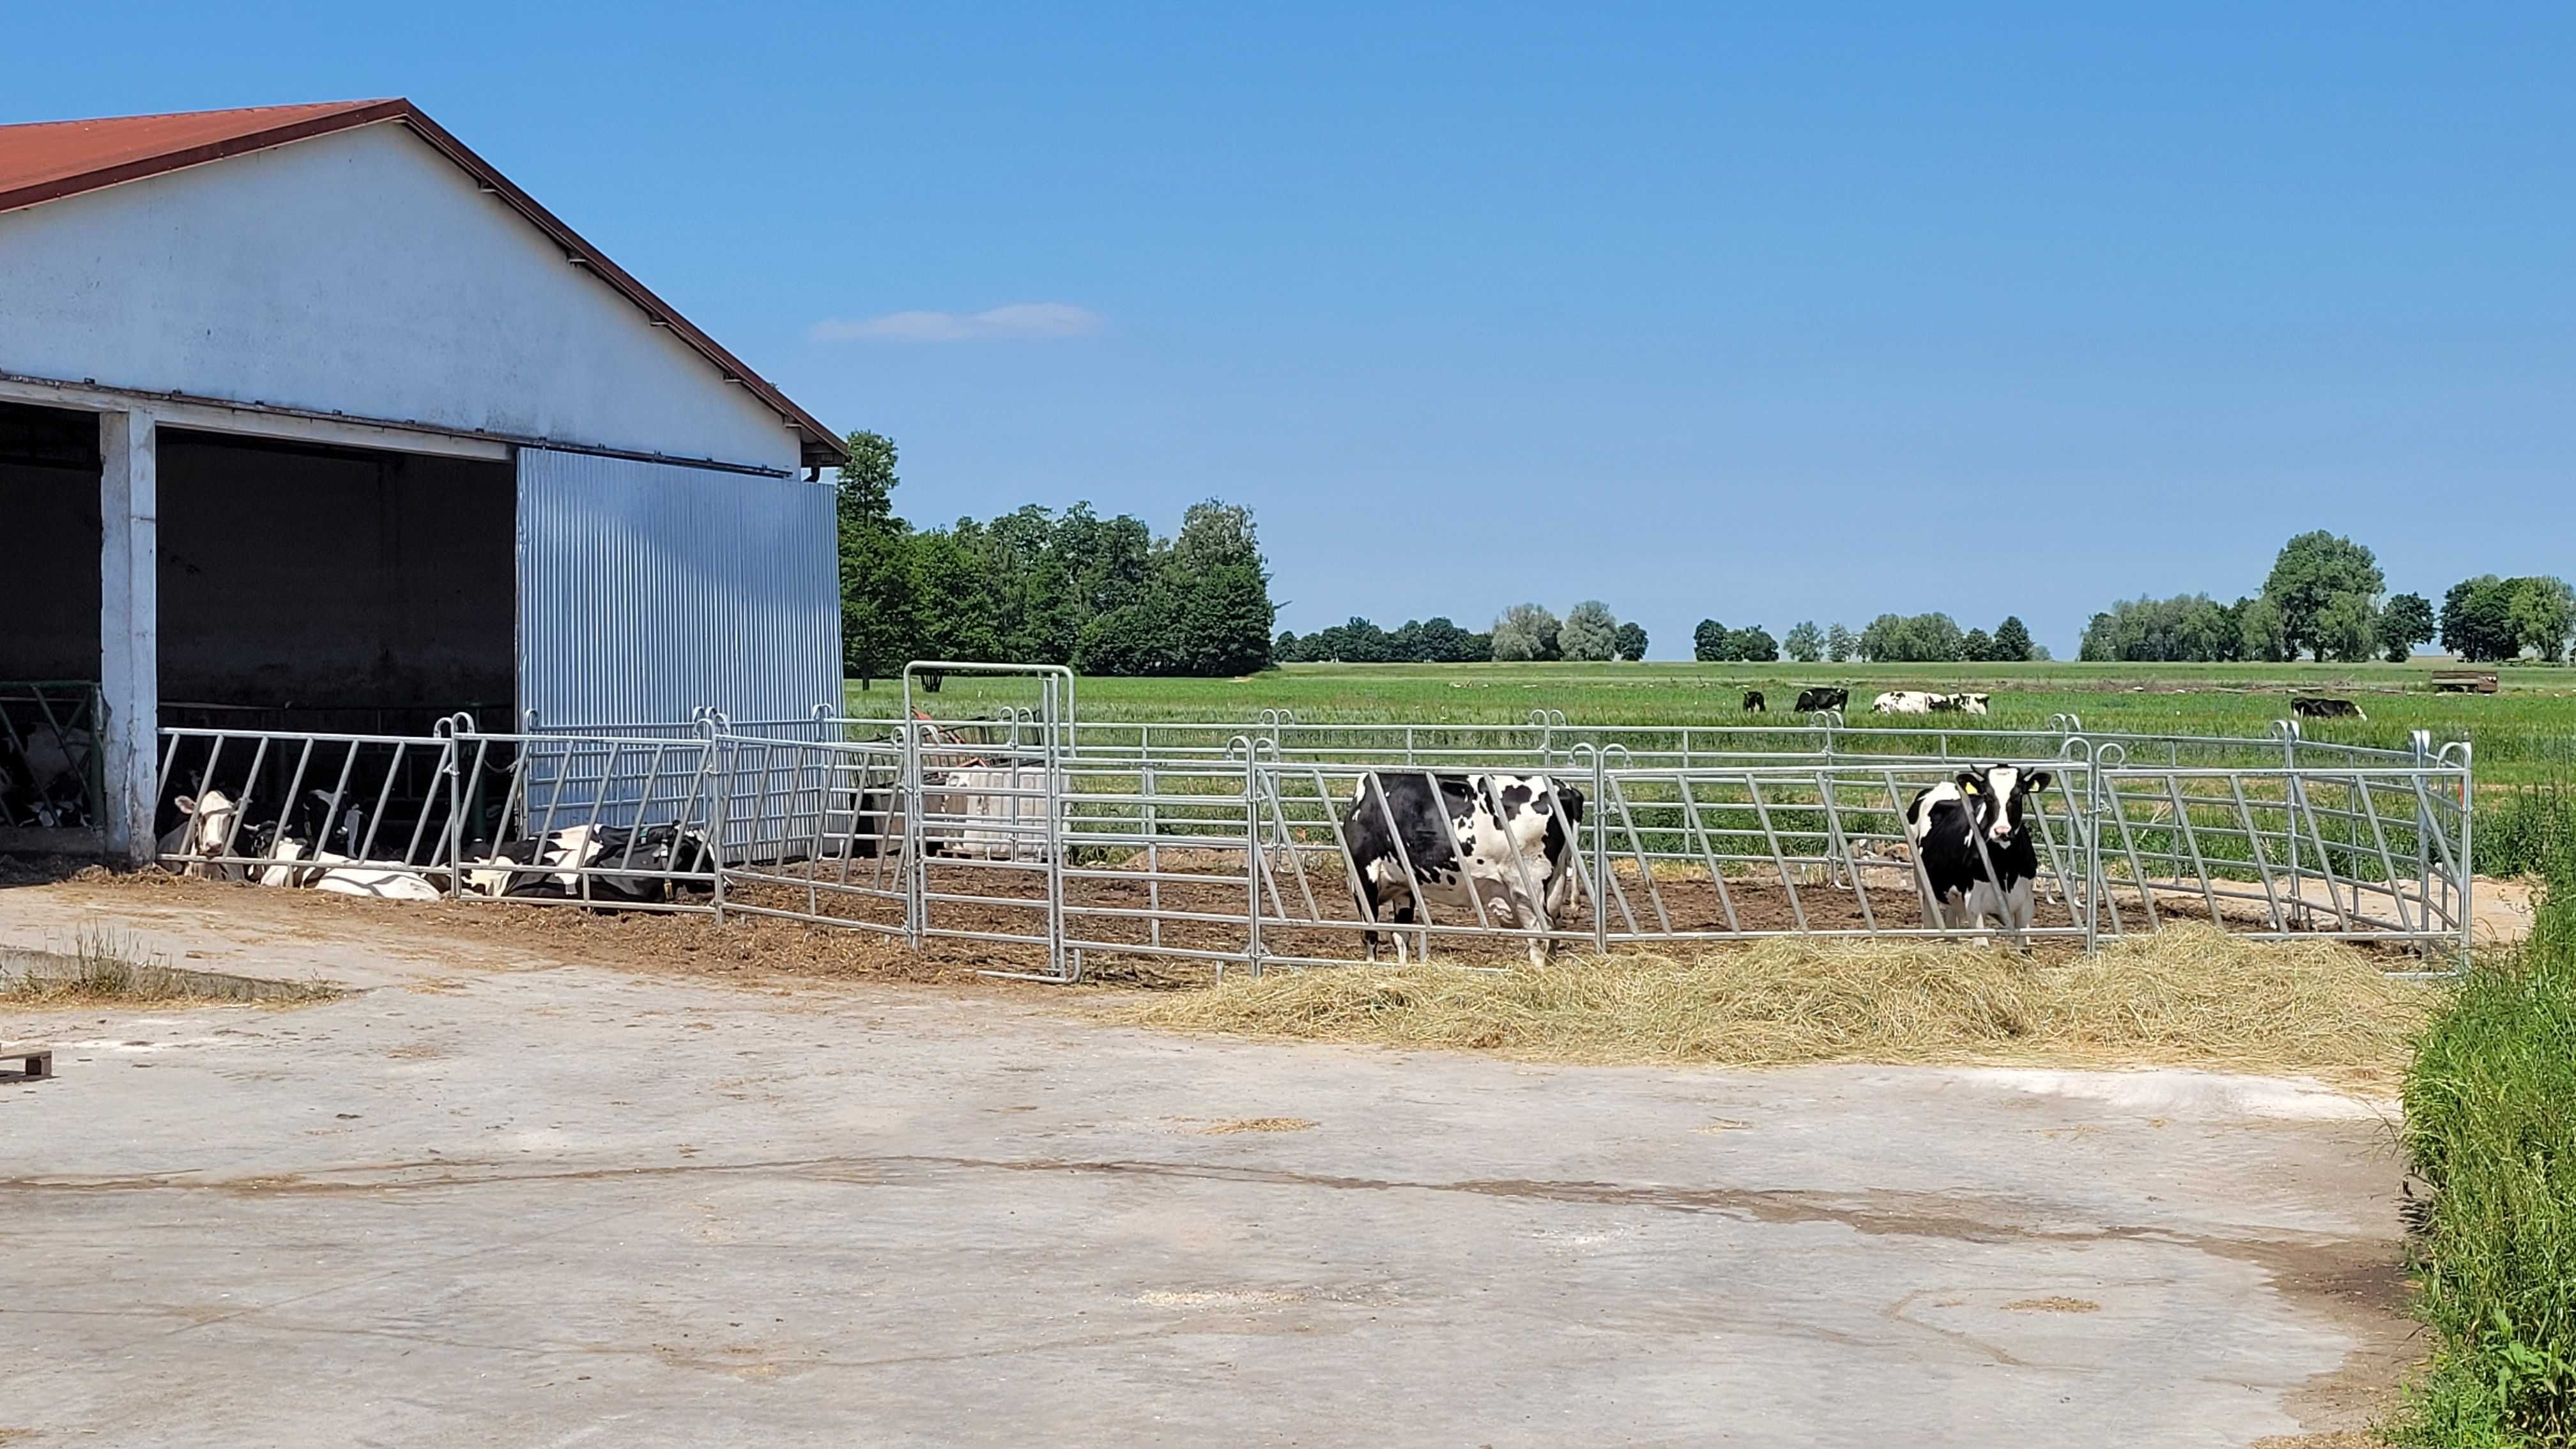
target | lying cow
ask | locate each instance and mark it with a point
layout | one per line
(1816, 701)
(42, 782)
(1902, 701)
(206, 826)
(622, 866)
(1971, 840)
(282, 853)
(2310, 708)
(1959, 703)
(1514, 832)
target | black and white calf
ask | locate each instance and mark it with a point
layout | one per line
(1972, 845)
(1504, 843)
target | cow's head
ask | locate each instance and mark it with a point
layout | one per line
(1995, 798)
(210, 821)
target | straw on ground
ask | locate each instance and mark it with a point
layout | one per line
(2190, 995)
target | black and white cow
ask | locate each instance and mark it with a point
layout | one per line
(1753, 702)
(2313, 708)
(208, 823)
(1513, 851)
(623, 866)
(1816, 700)
(1972, 844)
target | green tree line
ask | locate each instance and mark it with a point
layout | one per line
(2327, 599)
(1104, 595)
(1889, 638)
(1589, 631)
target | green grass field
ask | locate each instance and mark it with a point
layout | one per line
(2526, 734)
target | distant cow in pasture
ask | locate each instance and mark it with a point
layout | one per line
(1499, 847)
(1753, 702)
(2309, 708)
(1959, 703)
(1971, 839)
(1813, 701)
(1903, 701)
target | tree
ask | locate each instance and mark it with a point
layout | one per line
(1590, 633)
(1978, 646)
(2347, 629)
(2187, 627)
(2477, 619)
(2544, 609)
(1632, 642)
(1525, 631)
(1214, 587)
(1132, 639)
(1709, 642)
(1806, 642)
(2406, 622)
(1437, 640)
(2260, 633)
(958, 615)
(1753, 644)
(1355, 642)
(2012, 640)
(1839, 643)
(1920, 638)
(2313, 571)
(879, 633)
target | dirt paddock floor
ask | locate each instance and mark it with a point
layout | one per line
(543, 1176)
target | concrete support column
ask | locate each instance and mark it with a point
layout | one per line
(129, 628)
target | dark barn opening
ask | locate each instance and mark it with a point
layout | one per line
(326, 588)
(49, 596)
(49, 586)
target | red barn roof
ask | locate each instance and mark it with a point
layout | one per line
(49, 160)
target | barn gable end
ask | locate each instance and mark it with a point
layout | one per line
(363, 272)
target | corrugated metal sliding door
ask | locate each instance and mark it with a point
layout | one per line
(648, 589)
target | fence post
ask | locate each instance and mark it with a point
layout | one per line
(719, 785)
(2468, 861)
(1252, 855)
(1600, 854)
(2291, 800)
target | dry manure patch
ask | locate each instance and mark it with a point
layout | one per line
(2188, 996)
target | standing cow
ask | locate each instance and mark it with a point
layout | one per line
(1972, 845)
(1505, 842)
(1753, 702)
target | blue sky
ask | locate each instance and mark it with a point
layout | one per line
(1747, 313)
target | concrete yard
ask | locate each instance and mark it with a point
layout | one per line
(509, 1197)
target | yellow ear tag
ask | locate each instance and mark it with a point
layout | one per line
(1968, 789)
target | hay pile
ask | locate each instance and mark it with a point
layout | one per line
(2189, 996)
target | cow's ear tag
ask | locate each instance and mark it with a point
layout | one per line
(1968, 789)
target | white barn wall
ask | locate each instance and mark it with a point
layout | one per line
(360, 272)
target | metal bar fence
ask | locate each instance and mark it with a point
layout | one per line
(1231, 844)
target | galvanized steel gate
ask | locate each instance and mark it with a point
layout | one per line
(1057, 840)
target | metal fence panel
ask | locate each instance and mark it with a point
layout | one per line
(1230, 844)
(648, 591)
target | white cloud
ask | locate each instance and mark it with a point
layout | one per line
(1018, 319)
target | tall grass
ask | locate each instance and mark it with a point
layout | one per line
(2491, 1127)
(2519, 831)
